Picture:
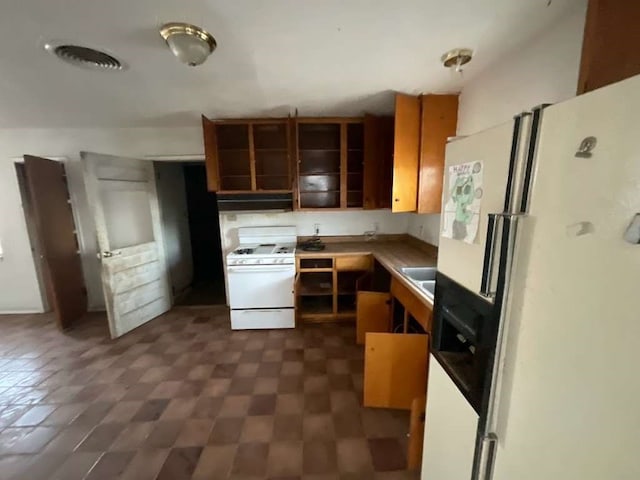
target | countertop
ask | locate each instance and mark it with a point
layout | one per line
(392, 253)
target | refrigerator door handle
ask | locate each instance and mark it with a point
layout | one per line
(489, 256)
(529, 166)
(484, 470)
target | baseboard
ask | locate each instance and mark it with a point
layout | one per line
(20, 312)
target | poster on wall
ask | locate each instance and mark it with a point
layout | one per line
(463, 202)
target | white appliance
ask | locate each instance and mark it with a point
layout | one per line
(260, 277)
(557, 258)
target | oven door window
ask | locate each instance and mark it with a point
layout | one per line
(261, 286)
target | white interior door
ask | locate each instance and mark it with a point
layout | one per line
(122, 195)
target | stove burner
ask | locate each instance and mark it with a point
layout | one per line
(244, 251)
(283, 250)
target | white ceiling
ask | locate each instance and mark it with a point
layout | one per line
(324, 57)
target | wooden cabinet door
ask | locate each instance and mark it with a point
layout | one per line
(377, 162)
(406, 150)
(609, 47)
(439, 121)
(416, 432)
(211, 154)
(373, 314)
(395, 369)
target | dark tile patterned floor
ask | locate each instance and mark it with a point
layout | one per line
(183, 397)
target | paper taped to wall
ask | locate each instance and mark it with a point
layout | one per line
(463, 202)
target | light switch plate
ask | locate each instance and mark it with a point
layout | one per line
(632, 235)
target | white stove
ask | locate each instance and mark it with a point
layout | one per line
(261, 273)
(265, 253)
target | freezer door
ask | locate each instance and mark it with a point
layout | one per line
(570, 391)
(465, 262)
(449, 430)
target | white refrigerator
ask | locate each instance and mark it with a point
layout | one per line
(557, 257)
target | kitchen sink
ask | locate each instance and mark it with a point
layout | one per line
(423, 277)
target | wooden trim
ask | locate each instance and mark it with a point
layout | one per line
(242, 121)
(343, 165)
(439, 119)
(296, 133)
(329, 119)
(252, 158)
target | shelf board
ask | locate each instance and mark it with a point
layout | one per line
(321, 174)
(235, 176)
(319, 191)
(302, 292)
(283, 149)
(319, 149)
(234, 149)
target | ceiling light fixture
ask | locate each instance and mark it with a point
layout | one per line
(192, 45)
(456, 58)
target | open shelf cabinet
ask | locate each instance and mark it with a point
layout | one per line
(249, 155)
(326, 287)
(330, 155)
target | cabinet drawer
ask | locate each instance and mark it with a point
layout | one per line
(316, 263)
(356, 262)
(416, 307)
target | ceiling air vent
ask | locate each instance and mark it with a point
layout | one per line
(85, 57)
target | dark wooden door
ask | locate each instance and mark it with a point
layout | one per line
(56, 235)
(211, 154)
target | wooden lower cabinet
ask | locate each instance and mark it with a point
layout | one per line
(373, 314)
(395, 369)
(326, 286)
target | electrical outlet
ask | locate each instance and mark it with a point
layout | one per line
(376, 227)
(316, 228)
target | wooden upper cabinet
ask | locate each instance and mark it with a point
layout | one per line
(609, 48)
(330, 167)
(378, 161)
(422, 126)
(439, 119)
(406, 153)
(248, 156)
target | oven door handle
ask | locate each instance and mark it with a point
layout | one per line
(261, 269)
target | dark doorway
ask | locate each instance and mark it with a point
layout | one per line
(204, 225)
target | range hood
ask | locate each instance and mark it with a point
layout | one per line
(234, 202)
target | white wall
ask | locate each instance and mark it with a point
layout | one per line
(542, 70)
(19, 290)
(172, 196)
(331, 223)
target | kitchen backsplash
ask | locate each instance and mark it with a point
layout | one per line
(329, 223)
